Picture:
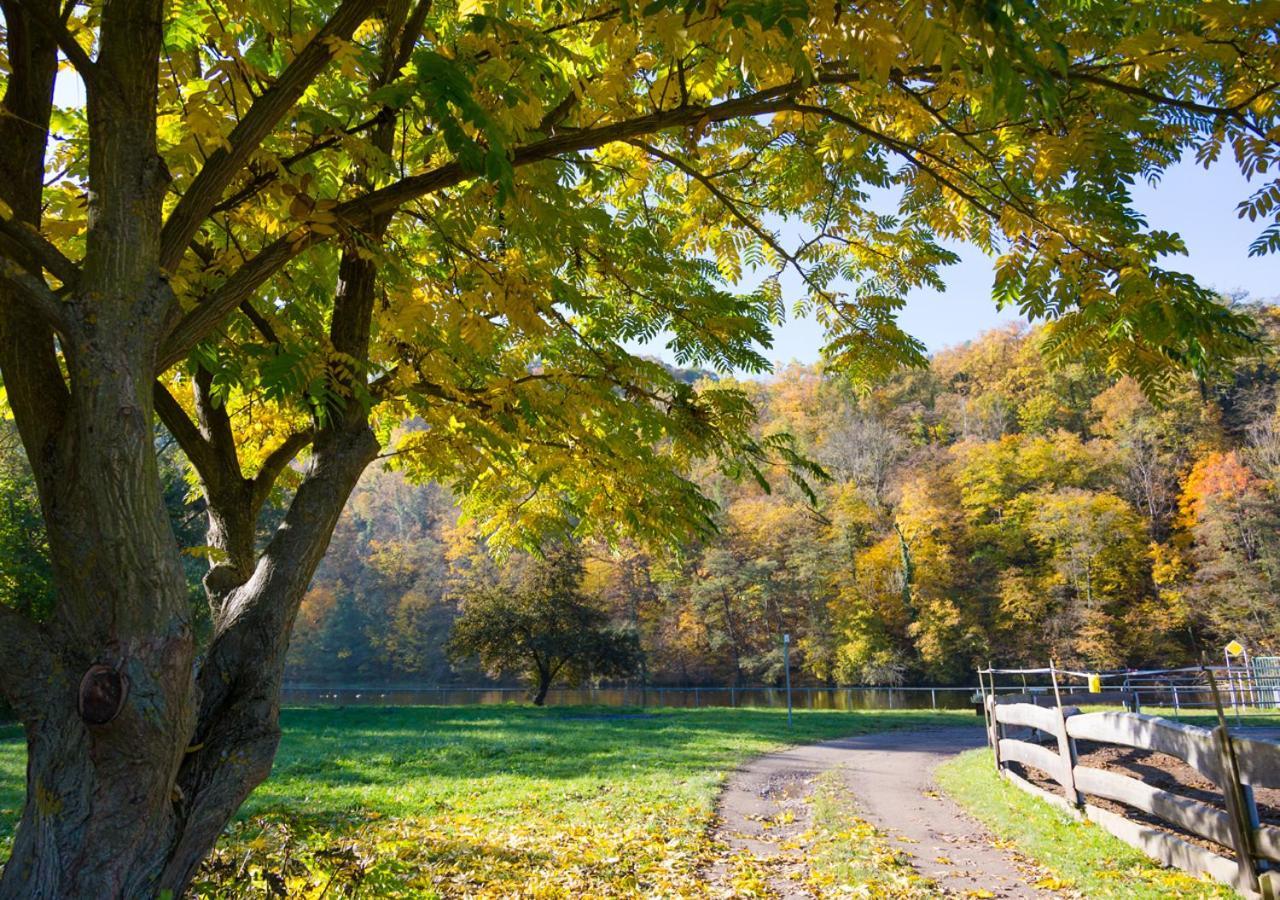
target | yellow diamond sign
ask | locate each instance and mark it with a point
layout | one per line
(1235, 648)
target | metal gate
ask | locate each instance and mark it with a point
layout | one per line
(1266, 681)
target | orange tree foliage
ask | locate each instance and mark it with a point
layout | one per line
(1111, 532)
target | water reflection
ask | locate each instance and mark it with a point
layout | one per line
(802, 698)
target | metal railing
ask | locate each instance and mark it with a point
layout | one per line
(1178, 690)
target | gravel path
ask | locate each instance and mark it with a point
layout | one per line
(891, 775)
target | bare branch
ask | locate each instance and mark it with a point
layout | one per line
(184, 431)
(34, 292)
(258, 122)
(44, 254)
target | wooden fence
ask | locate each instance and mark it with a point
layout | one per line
(1235, 765)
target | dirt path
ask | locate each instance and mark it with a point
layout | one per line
(890, 775)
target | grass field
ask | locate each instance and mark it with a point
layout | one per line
(1081, 856)
(491, 801)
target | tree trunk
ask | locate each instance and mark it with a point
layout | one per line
(540, 691)
(238, 728)
(101, 762)
(137, 755)
(131, 807)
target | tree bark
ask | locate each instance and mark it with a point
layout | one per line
(97, 819)
(128, 789)
(239, 684)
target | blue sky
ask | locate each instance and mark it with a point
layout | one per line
(1198, 204)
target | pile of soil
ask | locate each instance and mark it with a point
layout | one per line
(1158, 770)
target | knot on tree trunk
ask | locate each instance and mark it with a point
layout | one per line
(103, 691)
(222, 579)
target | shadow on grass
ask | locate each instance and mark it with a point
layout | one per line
(345, 764)
(399, 761)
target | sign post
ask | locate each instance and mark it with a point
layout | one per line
(1237, 650)
(786, 665)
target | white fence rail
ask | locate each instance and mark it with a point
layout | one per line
(1235, 765)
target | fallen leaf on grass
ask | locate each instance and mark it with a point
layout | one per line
(1053, 883)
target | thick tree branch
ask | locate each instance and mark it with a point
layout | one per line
(56, 27)
(33, 294)
(184, 431)
(240, 679)
(276, 462)
(408, 39)
(199, 322)
(358, 213)
(215, 424)
(33, 378)
(267, 111)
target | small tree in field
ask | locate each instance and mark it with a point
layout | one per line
(283, 228)
(539, 624)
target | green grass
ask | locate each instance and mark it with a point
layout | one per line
(1080, 855)
(1208, 718)
(13, 773)
(489, 801)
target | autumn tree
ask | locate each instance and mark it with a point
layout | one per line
(1232, 516)
(283, 229)
(384, 578)
(1095, 550)
(537, 623)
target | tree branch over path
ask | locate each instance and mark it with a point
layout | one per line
(199, 322)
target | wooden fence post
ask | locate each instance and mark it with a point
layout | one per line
(1241, 818)
(993, 731)
(1269, 885)
(1070, 757)
(1066, 744)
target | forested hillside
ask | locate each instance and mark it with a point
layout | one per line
(988, 508)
